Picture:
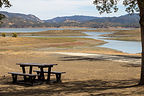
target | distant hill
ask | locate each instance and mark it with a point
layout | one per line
(21, 16)
(17, 20)
(77, 18)
(125, 19)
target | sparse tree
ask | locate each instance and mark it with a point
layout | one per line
(14, 34)
(132, 6)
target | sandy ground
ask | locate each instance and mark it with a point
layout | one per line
(86, 75)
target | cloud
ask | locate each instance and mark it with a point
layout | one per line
(52, 8)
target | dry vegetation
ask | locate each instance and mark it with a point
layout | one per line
(128, 35)
(28, 43)
(84, 76)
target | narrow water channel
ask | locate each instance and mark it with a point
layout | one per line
(124, 46)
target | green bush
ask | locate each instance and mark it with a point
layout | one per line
(3, 35)
(14, 34)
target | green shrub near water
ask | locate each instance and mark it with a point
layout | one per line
(3, 34)
(14, 34)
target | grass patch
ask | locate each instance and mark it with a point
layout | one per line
(55, 39)
(126, 35)
(33, 43)
(3, 50)
(54, 33)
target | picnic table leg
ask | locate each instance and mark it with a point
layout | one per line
(14, 78)
(58, 77)
(41, 73)
(30, 70)
(32, 78)
(23, 69)
(49, 72)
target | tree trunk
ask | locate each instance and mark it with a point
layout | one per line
(142, 61)
(141, 7)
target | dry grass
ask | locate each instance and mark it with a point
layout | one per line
(128, 35)
(23, 43)
(52, 33)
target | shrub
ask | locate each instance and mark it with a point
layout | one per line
(3, 35)
(14, 34)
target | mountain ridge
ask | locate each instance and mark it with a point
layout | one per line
(23, 20)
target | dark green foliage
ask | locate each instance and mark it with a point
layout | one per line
(14, 34)
(3, 35)
(4, 3)
(131, 5)
(110, 6)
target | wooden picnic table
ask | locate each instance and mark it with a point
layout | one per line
(41, 66)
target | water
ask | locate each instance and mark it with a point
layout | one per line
(124, 46)
(10, 30)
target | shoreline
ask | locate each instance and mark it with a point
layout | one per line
(72, 33)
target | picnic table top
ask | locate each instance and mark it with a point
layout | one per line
(35, 64)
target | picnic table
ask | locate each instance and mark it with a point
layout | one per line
(41, 66)
(40, 72)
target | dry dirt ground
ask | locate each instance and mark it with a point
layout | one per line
(101, 74)
(85, 75)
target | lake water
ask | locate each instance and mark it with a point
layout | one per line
(10, 30)
(124, 46)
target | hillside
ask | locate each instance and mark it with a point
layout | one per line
(17, 20)
(22, 16)
(77, 18)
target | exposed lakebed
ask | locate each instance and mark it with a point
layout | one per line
(124, 46)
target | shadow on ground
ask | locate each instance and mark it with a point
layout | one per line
(131, 65)
(90, 87)
(101, 58)
(80, 58)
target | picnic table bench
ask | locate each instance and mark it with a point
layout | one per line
(57, 74)
(31, 77)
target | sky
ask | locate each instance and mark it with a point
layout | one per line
(47, 9)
